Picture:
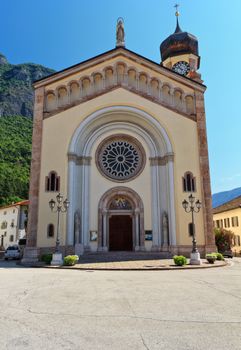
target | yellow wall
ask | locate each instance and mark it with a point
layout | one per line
(57, 133)
(236, 230)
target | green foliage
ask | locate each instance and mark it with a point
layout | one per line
(180, 260)
(219, 256)
(211, 257)
(15, 156)
(46, 258)
(70, 260)
(224, 239)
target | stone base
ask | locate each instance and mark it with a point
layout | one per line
(79, 249)
(57, 259)
(102, 249)
(210, 249)
(156, 248)
(195, 259)
(165, 248)
(30, 256)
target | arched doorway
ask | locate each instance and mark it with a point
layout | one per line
(120, 224)
(121, 221)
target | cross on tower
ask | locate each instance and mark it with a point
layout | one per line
(177, 13)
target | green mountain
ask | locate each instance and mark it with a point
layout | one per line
(16, 92)
(15, 156)
(16, 112)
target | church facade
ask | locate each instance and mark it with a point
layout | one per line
(124, 139)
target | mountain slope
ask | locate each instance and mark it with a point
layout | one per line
(16, 92)
(15, 156)
(226, 196)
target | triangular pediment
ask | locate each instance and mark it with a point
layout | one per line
(119, 68)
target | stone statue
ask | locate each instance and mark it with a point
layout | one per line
(165, 230)
(120, 33)
(77, 229)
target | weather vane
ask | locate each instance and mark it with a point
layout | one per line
(177, 13)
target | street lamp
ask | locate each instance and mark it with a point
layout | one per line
(58, 206)
(192, 207)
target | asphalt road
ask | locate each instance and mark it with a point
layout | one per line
(59, 309)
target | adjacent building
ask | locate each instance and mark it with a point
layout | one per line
(228, 216)
(124, 138)
(13, 221)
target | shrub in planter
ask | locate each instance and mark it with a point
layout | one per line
(46, 258)
(219, 256)
(70, 260)
(180, 260)
(211, 258)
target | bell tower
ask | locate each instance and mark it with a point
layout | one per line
(179, 52)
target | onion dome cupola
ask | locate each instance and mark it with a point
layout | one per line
(179, 52)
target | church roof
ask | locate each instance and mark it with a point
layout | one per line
(111, 54)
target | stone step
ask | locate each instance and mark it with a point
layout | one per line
(123, 256)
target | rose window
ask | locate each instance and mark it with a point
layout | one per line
(120, 158)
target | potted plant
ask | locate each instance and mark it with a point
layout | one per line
(211, 258)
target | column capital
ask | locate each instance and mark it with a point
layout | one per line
(79, 160)
(160, 161)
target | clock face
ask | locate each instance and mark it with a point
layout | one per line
(181, 67)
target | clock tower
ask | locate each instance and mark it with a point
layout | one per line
(179, 52)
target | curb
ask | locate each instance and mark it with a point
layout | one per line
(164, 268)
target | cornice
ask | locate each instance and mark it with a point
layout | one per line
(119, 52)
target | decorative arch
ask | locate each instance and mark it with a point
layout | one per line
(128, 120)
(136, 212)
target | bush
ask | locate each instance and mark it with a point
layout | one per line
(46, 258)
(70, 260)
(224, 239)
(219, 256)
(180, 260)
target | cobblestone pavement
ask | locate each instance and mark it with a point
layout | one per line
(120, 310)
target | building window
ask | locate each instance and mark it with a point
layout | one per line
(4, 225)
(12, 223)
(189, 182)
(234, 221)
(236, 240)
(219, 223)
(52, 182)
(226, 223)
(11, 238)
(5, 213)
(13, 211)
(50, 230)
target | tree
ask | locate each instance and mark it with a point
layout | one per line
(224, 239)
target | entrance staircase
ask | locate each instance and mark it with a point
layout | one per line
(123, 256)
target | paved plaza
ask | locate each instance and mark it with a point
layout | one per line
(83, 309)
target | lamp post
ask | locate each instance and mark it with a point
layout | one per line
(58, 206)
(192, 206)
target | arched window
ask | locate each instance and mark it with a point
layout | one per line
(189, 182)
(52, 182)
(50, 230)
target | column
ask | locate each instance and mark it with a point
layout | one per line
(137, 229)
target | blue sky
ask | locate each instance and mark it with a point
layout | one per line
(60, 33)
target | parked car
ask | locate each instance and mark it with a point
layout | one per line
(227, 254)
(12, 252)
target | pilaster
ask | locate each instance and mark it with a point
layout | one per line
(30, 252)
(205, 174)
